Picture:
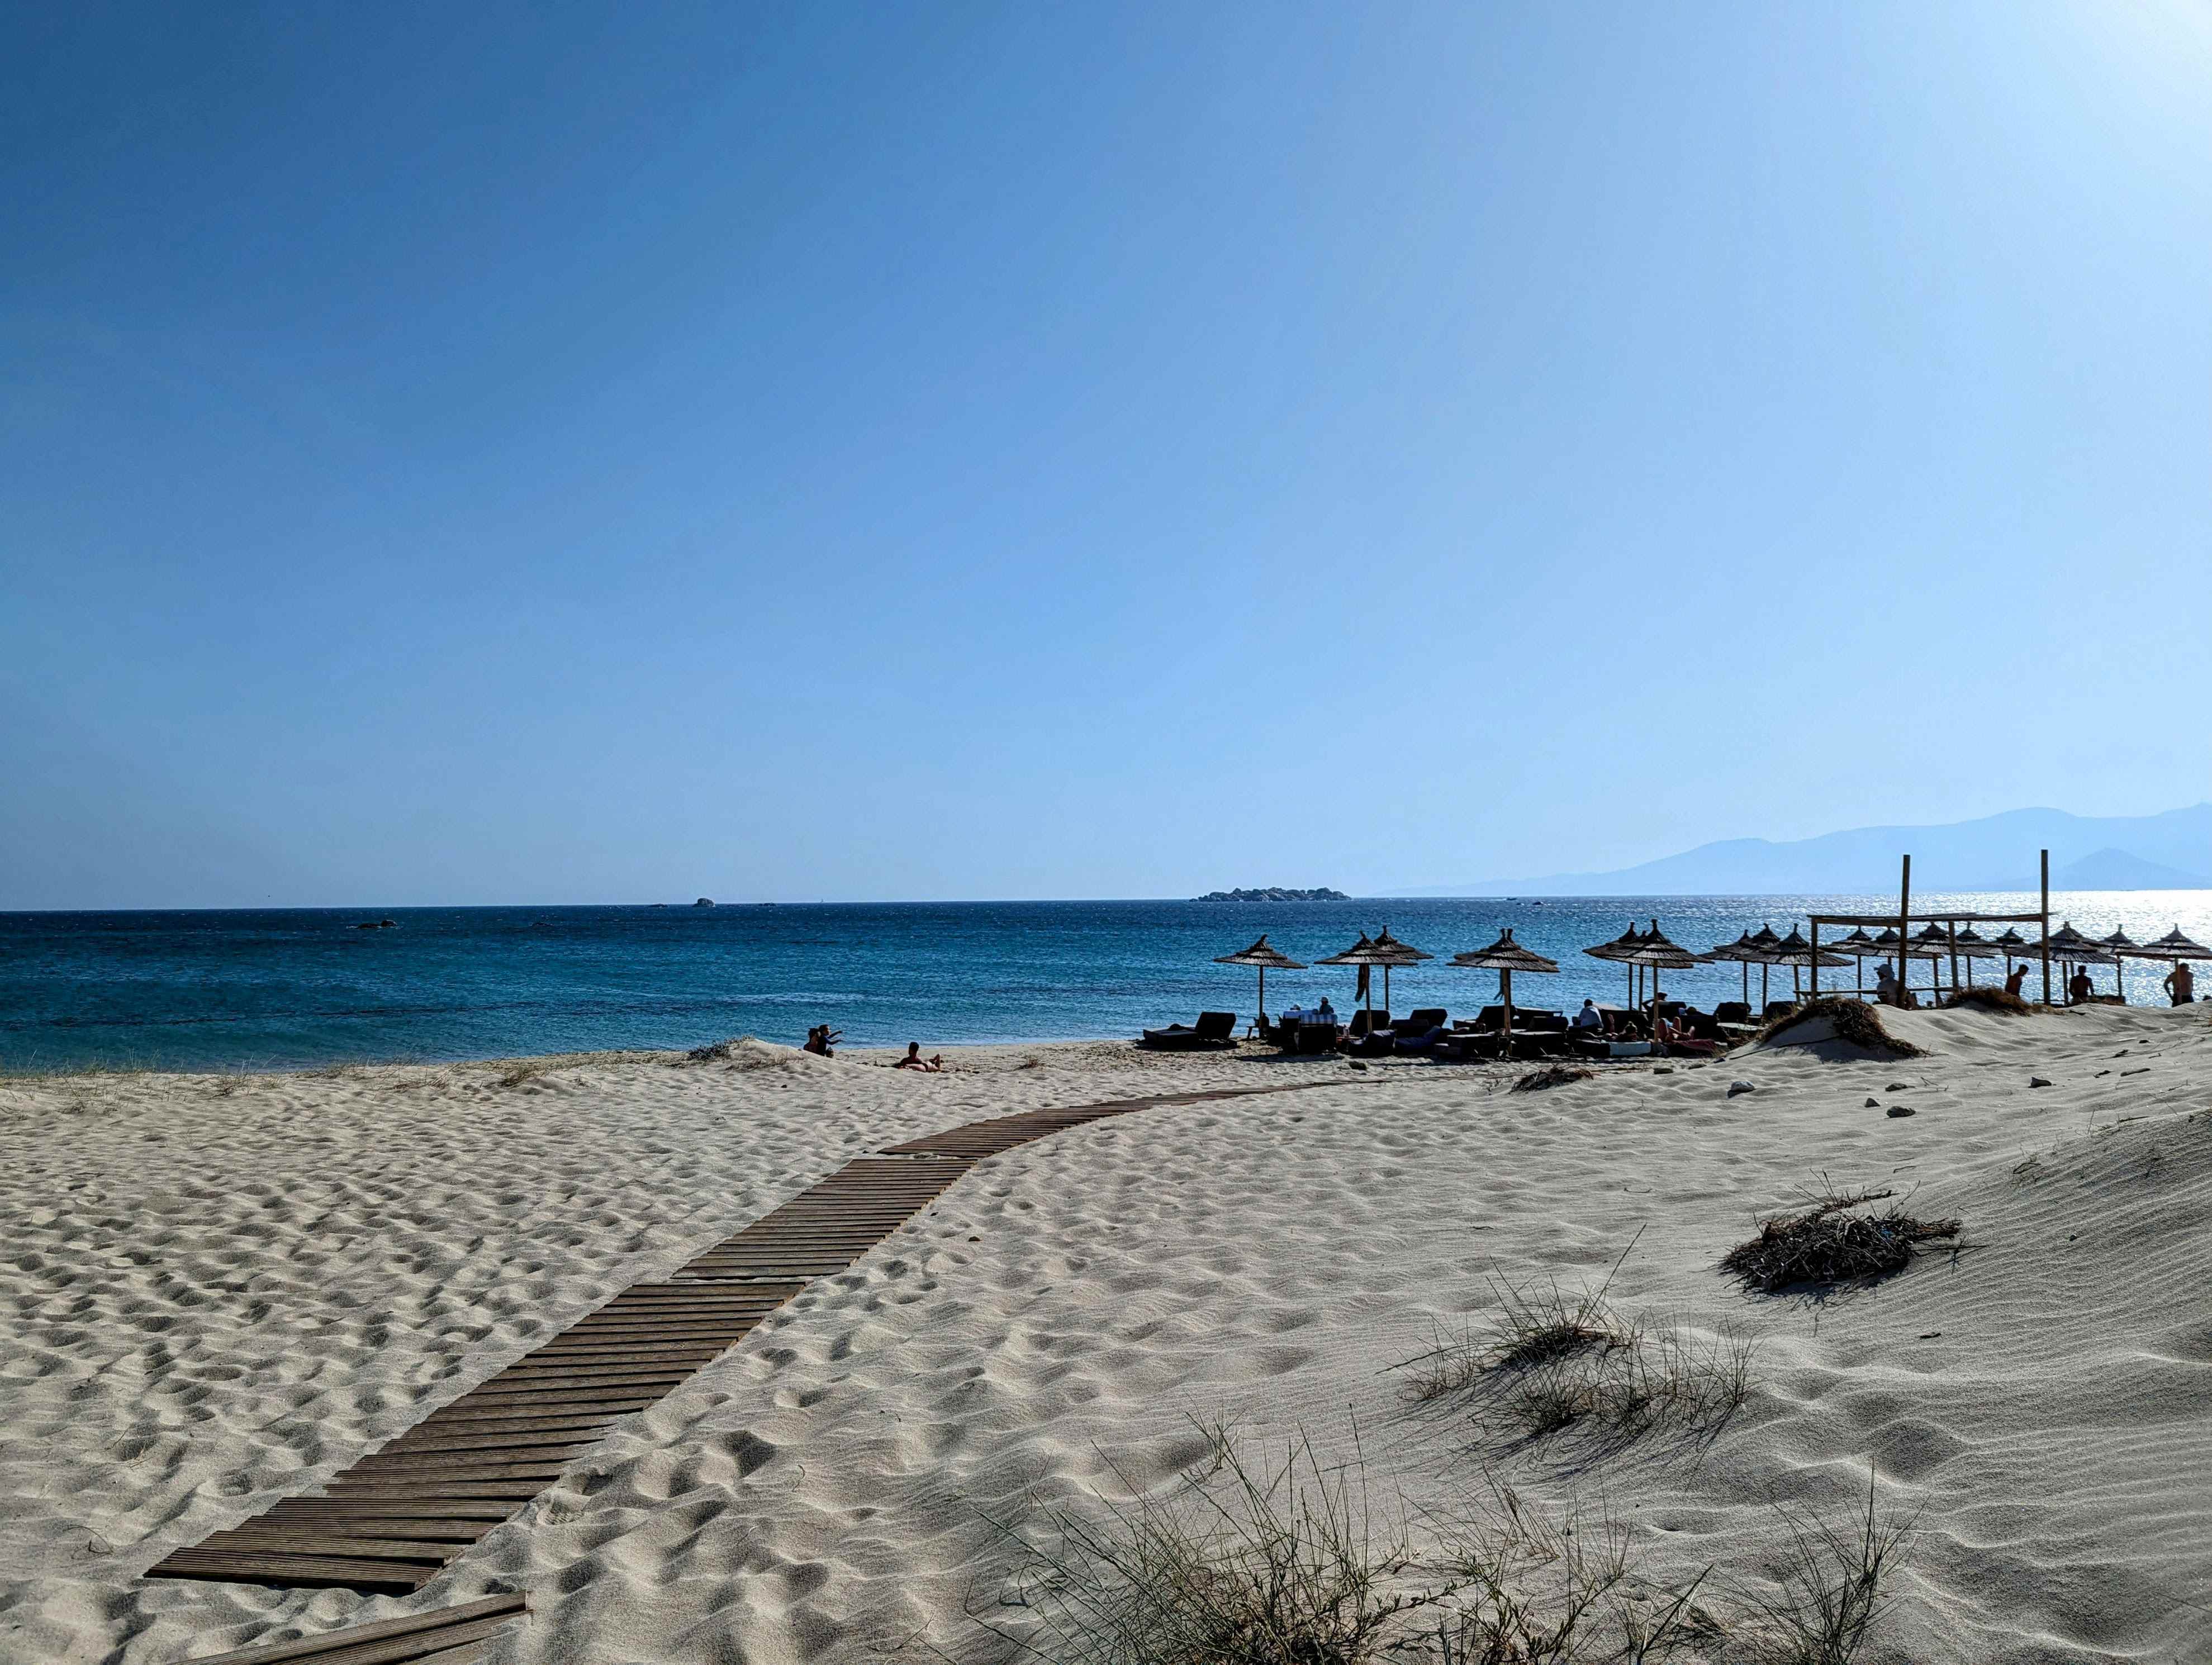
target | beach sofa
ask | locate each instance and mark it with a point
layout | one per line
(1212, 1029)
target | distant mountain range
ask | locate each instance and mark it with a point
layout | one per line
(2168, 852)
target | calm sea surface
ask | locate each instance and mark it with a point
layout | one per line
(227, 990)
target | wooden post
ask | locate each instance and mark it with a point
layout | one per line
(1951, 927)
(1505, 993)
(1904, 927)
(1816, 959)
(2046, 928)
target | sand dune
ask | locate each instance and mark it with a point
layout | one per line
(219, 1289)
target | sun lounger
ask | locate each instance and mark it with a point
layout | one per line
(1213, 1029)
(1419, 1031)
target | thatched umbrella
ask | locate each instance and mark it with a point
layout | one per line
(1743, 952)
(1619, 950)
(1860, 946)
(2118, 943)
(1657, 952)
(1505, 956)
(1768, 945)
(2171, 946)
(1364, 953)
(2071, 948)
(1400, 954)
(2012, 946)
(1886, 945)
(1266, 958)
(1794, 951)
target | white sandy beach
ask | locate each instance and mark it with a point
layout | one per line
(219, 1290)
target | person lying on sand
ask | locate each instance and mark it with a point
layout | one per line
(914, 1060)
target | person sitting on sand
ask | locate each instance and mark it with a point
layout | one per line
(821, 1039)
(914, 1060)
(1588, 1017)
(2181, 984)
(2013, 982)
(2080, 988)
(1884, 984)
(1324, 1013)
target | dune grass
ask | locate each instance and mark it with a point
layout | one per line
(1283, 1558)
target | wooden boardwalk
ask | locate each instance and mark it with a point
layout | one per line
(391, 1523)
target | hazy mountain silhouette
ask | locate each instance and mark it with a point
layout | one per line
(2170, 851)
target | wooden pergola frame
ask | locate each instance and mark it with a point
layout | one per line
(1951, 922)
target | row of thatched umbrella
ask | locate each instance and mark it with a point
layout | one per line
(1505, 956)
(1651, 949)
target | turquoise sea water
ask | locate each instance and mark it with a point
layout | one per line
(226, 990)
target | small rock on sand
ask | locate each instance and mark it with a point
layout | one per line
(1735, 1087)
(2037, 1081)
(1873, 1104)
(1896, 1110)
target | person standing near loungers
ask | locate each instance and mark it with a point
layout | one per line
(2181, 984)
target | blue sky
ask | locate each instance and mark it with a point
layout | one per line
(482, 455)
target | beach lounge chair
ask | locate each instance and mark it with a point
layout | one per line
(1780, 1009)
(1213, 1029)
(1419, 1031)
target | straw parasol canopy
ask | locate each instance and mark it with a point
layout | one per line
(1400, 954)
(2171, 946)
(1794, 951)
(1860, 946)
(2118, 944)
(1266, 958)
(1505, 956)
(2074, 949)
(1743, 952)
(1619, 948)
(1655, 950)
(1364, 953)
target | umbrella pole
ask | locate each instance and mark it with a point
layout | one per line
(1505, 993)
(1263, 997)
(1747, 983)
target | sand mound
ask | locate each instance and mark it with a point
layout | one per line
(1837, 1029)
(750, 1052)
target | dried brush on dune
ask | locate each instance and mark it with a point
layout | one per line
(1828, 1244)
(1991, 999)
(1854, 1022)
(1552, 1075)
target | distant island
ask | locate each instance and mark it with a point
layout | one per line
(1274, 893)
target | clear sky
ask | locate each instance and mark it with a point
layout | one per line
(480, 453)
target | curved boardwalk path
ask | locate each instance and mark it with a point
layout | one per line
(389, 1524)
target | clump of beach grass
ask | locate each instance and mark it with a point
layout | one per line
(1991, 999)
(1830, 1587)
(1283, 1559)
(1828, 1243)
(1553, 1359)
(1855, 1023)
(1552, 1075)
(521, 1073)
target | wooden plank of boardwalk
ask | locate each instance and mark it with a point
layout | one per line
(391, 1523)
(452, 1636)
